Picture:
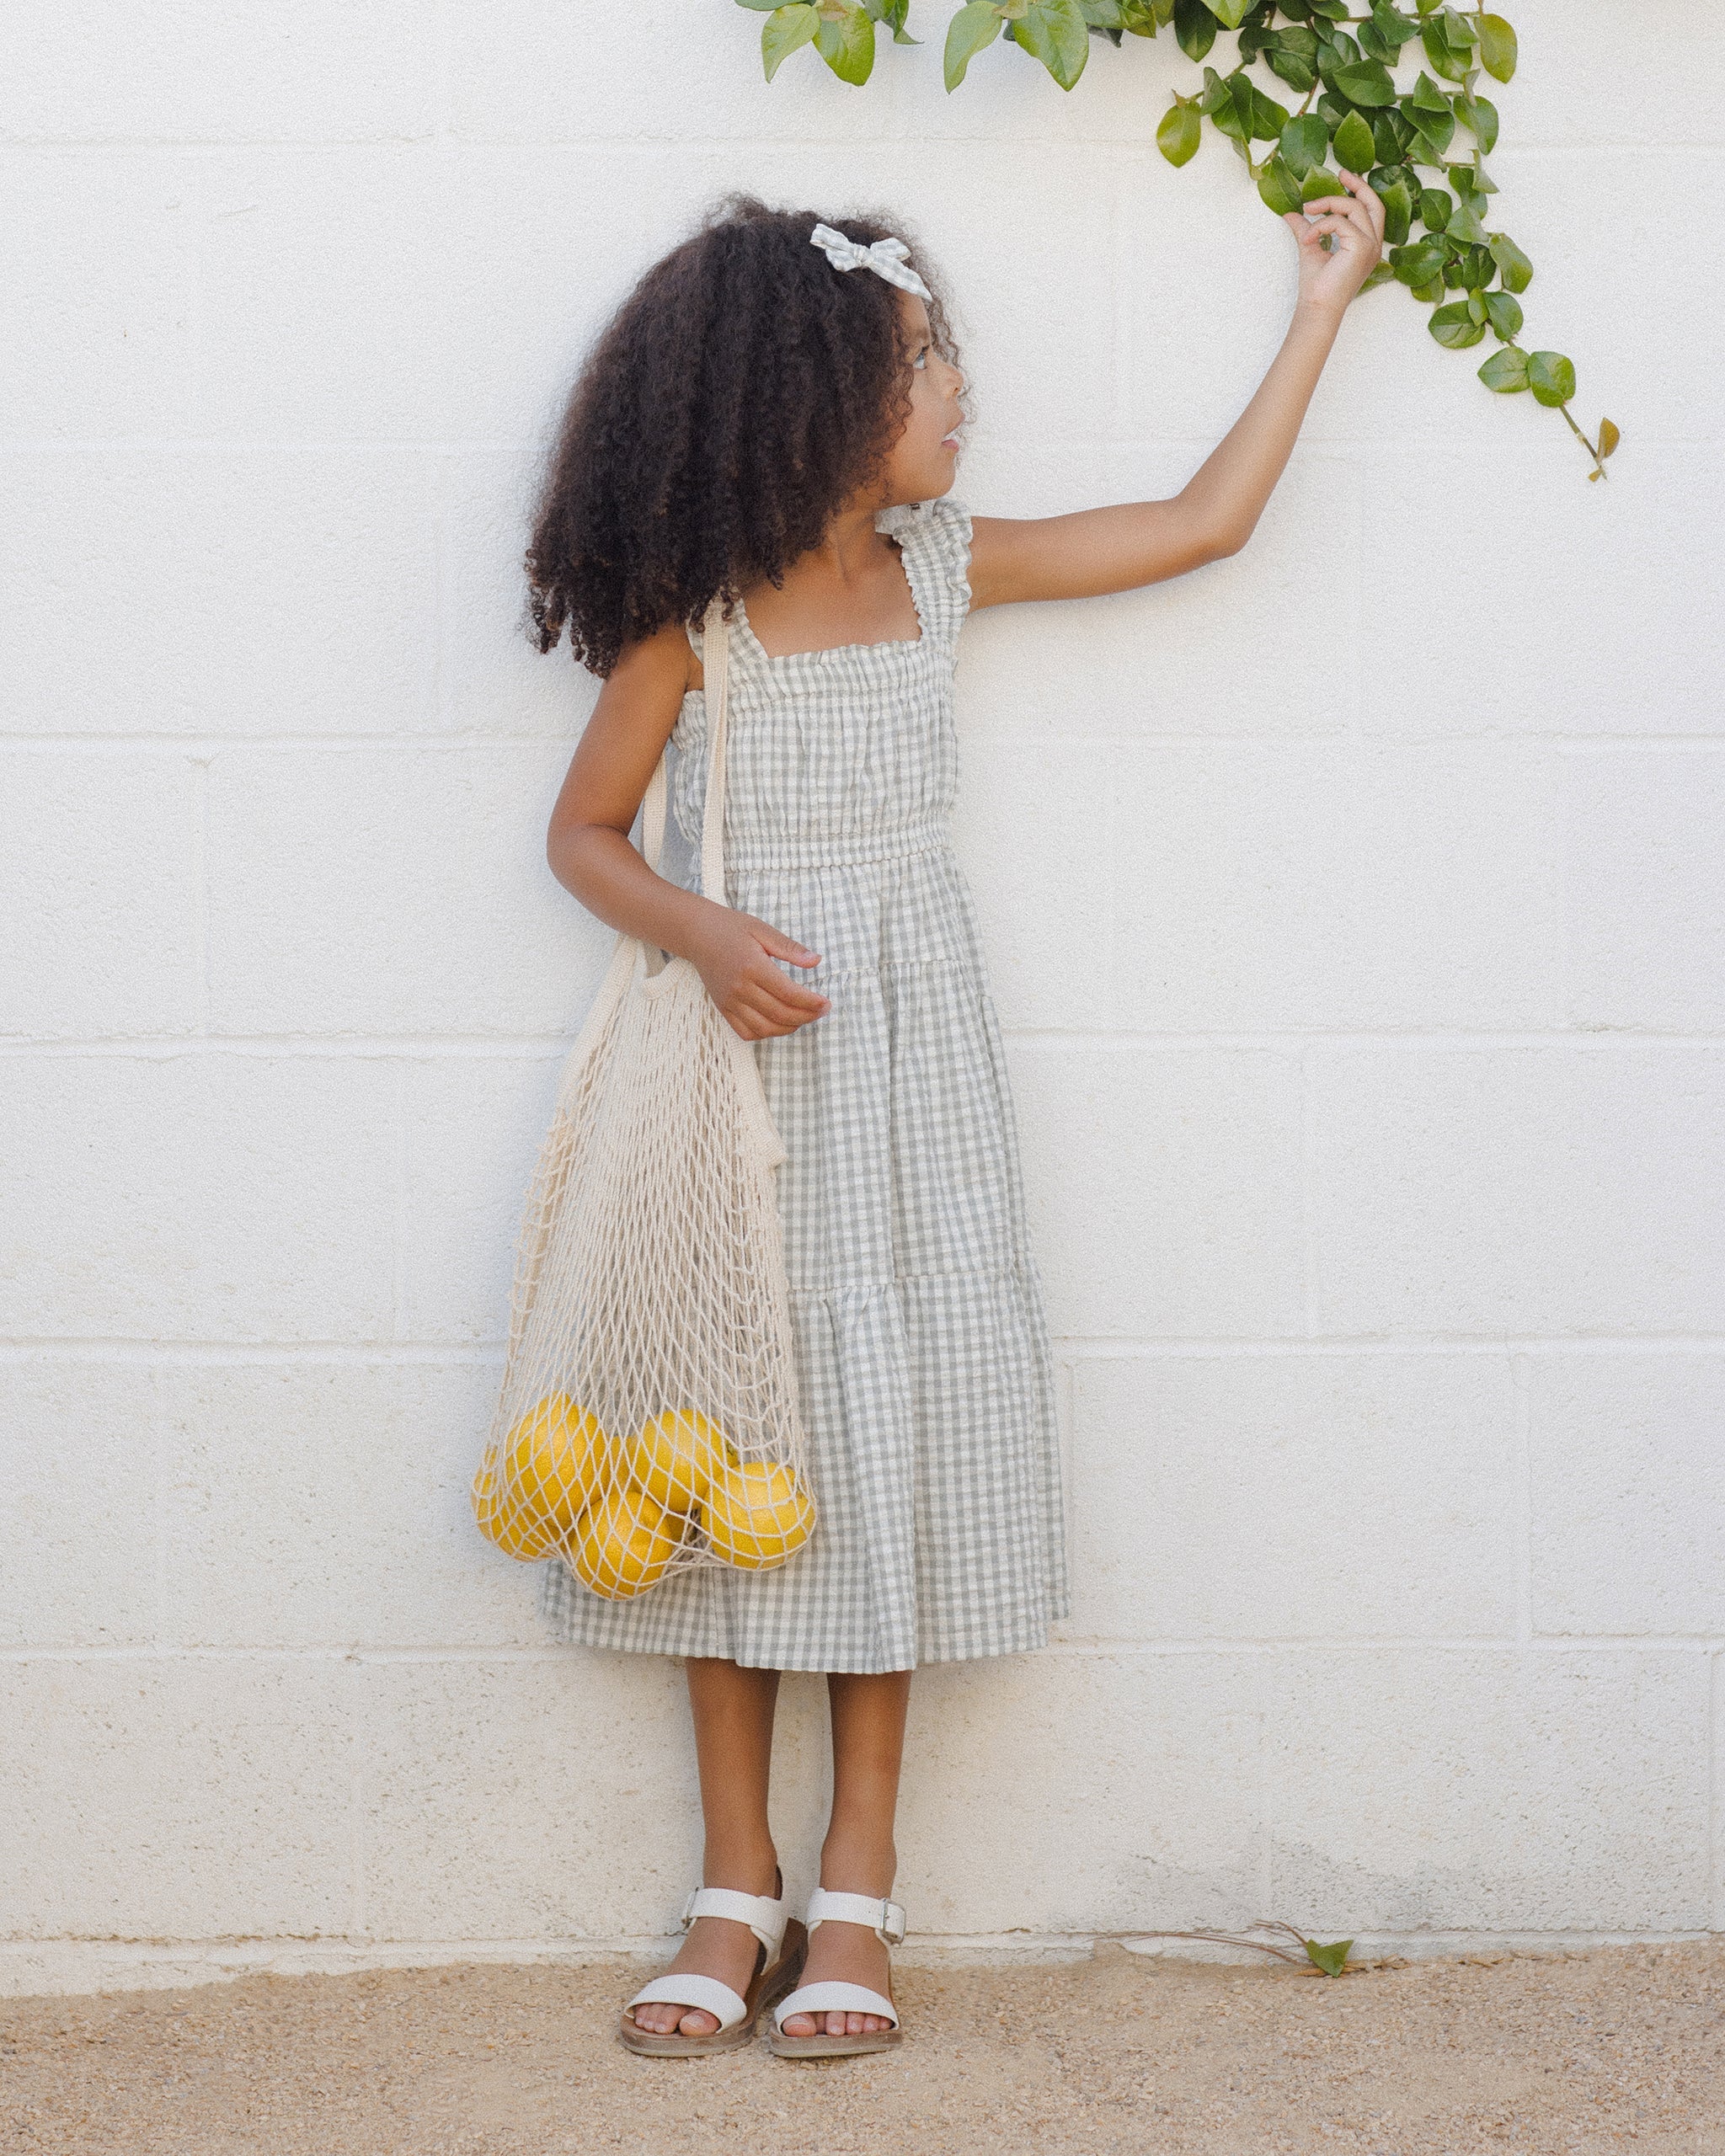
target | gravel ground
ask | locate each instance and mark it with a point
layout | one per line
(1562, 2053)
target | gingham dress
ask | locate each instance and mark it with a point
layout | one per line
(923, 1356)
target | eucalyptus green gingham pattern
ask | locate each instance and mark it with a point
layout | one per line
(923, 1356)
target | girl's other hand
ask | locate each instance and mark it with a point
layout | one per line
(1330, 280)
(733, 957)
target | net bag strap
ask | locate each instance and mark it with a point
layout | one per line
(715, 656)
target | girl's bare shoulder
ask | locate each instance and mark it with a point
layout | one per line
(654, 668)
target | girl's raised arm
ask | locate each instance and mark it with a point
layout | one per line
(1132, 543)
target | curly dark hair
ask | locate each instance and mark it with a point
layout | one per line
(743, 391)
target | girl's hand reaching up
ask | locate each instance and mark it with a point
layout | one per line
(734, 955)
(1356, 218)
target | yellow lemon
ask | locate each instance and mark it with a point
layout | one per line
(511, 1527)
(757, 1515)
(623, 1543)
(552, 1462)
(676, 1456)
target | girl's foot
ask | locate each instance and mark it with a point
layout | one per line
(713, 1946)
(843, 1953)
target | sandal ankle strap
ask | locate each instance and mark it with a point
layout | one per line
(884, 1917)
(765, 1916)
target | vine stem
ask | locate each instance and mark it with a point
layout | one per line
(1599, 469)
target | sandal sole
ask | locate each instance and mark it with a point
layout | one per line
(882, 2040)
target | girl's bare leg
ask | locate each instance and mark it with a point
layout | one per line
(857, 1856)
(733, 1709)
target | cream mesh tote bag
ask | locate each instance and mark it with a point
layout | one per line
(649, 1419)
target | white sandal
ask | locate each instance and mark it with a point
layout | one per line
(886, 1920)
(777, 1966)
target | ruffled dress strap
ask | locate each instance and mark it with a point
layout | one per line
(934, 539)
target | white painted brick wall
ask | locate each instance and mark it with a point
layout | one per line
(1353, 908)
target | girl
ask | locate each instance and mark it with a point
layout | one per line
(773, 417)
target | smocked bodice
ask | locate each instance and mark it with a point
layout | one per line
(842, 755)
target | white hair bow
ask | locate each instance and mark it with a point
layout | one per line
(886, 258)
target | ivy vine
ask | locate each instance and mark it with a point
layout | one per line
(1422, 146)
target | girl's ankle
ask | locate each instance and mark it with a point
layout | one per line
(744, 1872)
(856, 1866)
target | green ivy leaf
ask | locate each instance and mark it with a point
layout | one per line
(1550, 378)
(1178, 135)
(1496, 48)
(1393, 27)
(1513, 265)
(1398, 212)
(1436, 208)
(1455, 328)
(1383, 275)
(1355, 146)
(1418, 264)
(1230, 13)
(1464, 225)
(1364, 81)
(1329, 1958)
(1425, 96)
(1504, 313)
(784, 30)
(1480, 116)
(1305, 142)
(1443, 56)
(1268, 118)
(1277, 185)
(1057, 34)
(760, 7)
(847, 45)
(1505, 371)
(1318, 183)
(1391, 136)
(1194, 28)
(1291, 54)
(1431, 137)
(973, 27)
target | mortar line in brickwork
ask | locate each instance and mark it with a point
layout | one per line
(1521, 1377)
(438, 134)
(1100, 1647)
(225, 1354)
(1148, 1347)
(72, 1346)
(409, 737)
(310, 1047)
(1314, 1643)
(422, 1046)
(212, 745)
(1436, 1036)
